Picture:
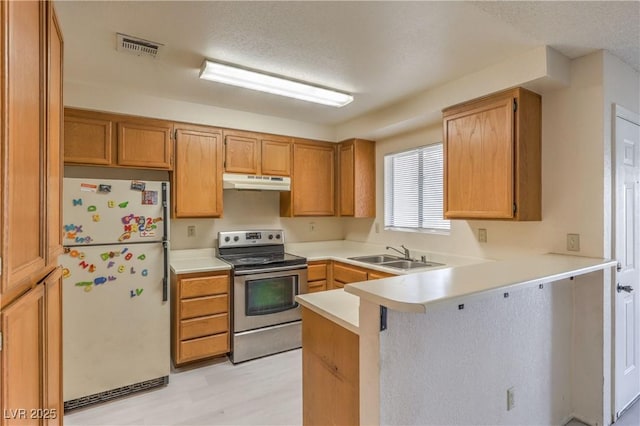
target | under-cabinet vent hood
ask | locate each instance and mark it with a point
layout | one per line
(256, 183)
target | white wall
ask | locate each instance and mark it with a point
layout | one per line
(248, 209)
(453, 367)
(118, 100)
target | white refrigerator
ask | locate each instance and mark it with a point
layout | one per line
(116, 316)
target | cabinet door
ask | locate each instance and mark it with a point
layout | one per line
(241, 153)
(197, 178)
(479, 159)
(53, 347)
(23, 147)
(313, 179)
(22, 359)
(347, 176)
(54, 146)
(276, 157)
(87, 140)
(145, 144)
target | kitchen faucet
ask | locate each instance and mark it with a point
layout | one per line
(405, 253)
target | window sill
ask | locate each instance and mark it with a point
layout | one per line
(419, 230)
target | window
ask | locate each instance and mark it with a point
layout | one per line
(413, 190)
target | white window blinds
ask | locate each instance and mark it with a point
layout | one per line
(413, 190)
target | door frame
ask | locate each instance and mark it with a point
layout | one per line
(618, 111)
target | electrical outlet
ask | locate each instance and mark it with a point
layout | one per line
(377, 227)
(482, 235)
(573, 242)
(511, 401)
(191, 231)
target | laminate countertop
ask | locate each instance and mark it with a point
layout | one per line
(197, 260)
(418, 292)
(336, 305)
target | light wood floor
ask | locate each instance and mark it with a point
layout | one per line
(266, 391)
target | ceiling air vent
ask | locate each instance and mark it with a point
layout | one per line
(137, 46)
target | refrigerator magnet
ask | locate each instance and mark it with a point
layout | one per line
(104, 189)
(137, 185)
(150, 198)
(88, 187)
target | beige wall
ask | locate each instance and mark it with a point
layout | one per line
(572, 170)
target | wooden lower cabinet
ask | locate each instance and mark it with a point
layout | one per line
(330, 372)
(32, 356)
(317, 276)
(199, 316)
(343, 273)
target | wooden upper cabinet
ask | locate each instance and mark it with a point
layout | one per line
(197, 177)
(357, 178)
(257, 153)
(241, 152)
(312, 184)
(492, 157)
(114, 140)
(88, 138)
(23, 140)
(275, 156)
(54, 146)
(145, 143)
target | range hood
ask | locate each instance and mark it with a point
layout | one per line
(256, 183)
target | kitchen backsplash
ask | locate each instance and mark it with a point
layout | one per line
(253, 209)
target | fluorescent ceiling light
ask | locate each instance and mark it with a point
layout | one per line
(235, 76)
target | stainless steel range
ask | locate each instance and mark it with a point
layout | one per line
(266, 318)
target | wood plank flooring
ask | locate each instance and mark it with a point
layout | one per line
(266, 391)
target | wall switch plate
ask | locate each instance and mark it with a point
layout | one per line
(191, 231)
(482, 235)
(573, 242)
(312, 226)
(511, 401)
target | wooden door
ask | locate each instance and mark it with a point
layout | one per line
(145, 144)
(197, 178)
(275, 157)
(23, 141)
(347, 178)
(313, 179)
(22, 359)
(87, 140)
(53, 347)
(241, 153)
(627, 252)
(54, 136)
(479, 160)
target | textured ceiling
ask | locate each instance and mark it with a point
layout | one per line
(379, 51)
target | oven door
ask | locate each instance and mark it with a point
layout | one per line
(267, 297)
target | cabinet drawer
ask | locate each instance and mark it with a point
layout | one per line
(317, 272)
(337, 284)
(204, 286)
(376, 275)
(347, 274)
(198, 327)
(314, 286)
(203, 306)
(204, 347)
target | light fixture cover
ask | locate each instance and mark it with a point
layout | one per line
(236, 76)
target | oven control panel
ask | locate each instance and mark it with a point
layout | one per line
(250, 238)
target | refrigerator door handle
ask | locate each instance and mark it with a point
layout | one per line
(165, 290)
(165, 242)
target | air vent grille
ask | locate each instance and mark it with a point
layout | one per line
(137, 46)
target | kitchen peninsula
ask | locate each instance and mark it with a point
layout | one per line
(439, 347)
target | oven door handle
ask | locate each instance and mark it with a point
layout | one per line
(262, 271)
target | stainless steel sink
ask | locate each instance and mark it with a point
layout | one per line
(395, 262)
(380, 258)
(409, 264)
